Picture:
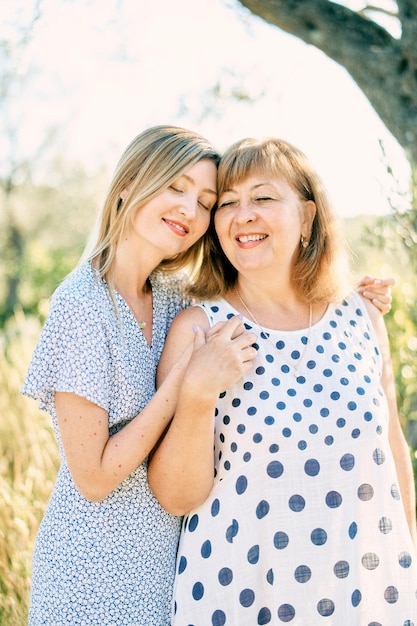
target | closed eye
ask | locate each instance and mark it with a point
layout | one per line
(207, 208)
(175, 189)
(227, 203)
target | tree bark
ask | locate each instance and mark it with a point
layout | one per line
(383, 67)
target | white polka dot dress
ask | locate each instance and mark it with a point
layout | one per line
(305, 524)
(110, 563)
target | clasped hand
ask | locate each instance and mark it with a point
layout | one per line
(221, 356)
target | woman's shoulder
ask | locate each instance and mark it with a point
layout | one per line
(217, 310)
(360, 305)
(82, 292)
(361, 313)
(203, 313)
(194, 314)
(80, 284)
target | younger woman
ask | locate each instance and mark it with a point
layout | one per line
(105, 550)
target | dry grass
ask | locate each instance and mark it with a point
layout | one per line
(28, 465)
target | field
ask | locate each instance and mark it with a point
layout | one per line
(28, 464)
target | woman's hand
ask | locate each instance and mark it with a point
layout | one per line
(378, 291)
(221, 356)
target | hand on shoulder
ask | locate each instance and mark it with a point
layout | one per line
(377, 291)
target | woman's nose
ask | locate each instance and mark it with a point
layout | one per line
(246, 212)
(188, 206)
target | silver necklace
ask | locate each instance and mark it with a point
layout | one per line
(292, 366)
(142, 323)
(140, 319)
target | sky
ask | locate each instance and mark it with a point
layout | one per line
(103, 70)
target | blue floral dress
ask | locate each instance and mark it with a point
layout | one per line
(109, 563)
(305, 523)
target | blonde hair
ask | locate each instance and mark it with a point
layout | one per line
(321, 269)
(150, 163)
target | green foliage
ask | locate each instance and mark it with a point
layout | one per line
(43, 231)
(386, 246)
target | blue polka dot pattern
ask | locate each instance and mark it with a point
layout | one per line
(247, 597)
(206, 549)
(225, 576)
(281, 540)
(110, 562)
(307, 521)
(302, 573)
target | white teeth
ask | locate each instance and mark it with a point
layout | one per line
(178, 226)
(247, 238)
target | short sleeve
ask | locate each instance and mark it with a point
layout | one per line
(72, 354)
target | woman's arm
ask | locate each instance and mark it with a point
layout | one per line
(99, 463)
(181, 469)
(398, 443)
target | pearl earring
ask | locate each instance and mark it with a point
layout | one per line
(304, 242)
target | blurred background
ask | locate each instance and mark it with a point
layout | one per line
(80, 78)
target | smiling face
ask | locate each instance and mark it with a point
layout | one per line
(175, 219)
(269, 196)
(259, 222)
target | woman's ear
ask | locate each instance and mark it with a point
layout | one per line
(123, 194)
(309, 213)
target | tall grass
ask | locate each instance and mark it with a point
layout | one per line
(28, 465)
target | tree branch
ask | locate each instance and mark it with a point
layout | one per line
(323, 24)
(383, 67)
(376, 9)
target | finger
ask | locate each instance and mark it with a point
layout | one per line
(374, 284)
(390, 280)
(384, 309)
(199, 337)
(366, 280)
(384, 297)
(239, 328)
(246, 342)
(383, 306)
(233, 327)
(375, 291)
(249, 354)
(213, 330)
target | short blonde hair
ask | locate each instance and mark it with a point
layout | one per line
(321, 271)
(150, 163)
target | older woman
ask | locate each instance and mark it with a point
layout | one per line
(311, 514)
